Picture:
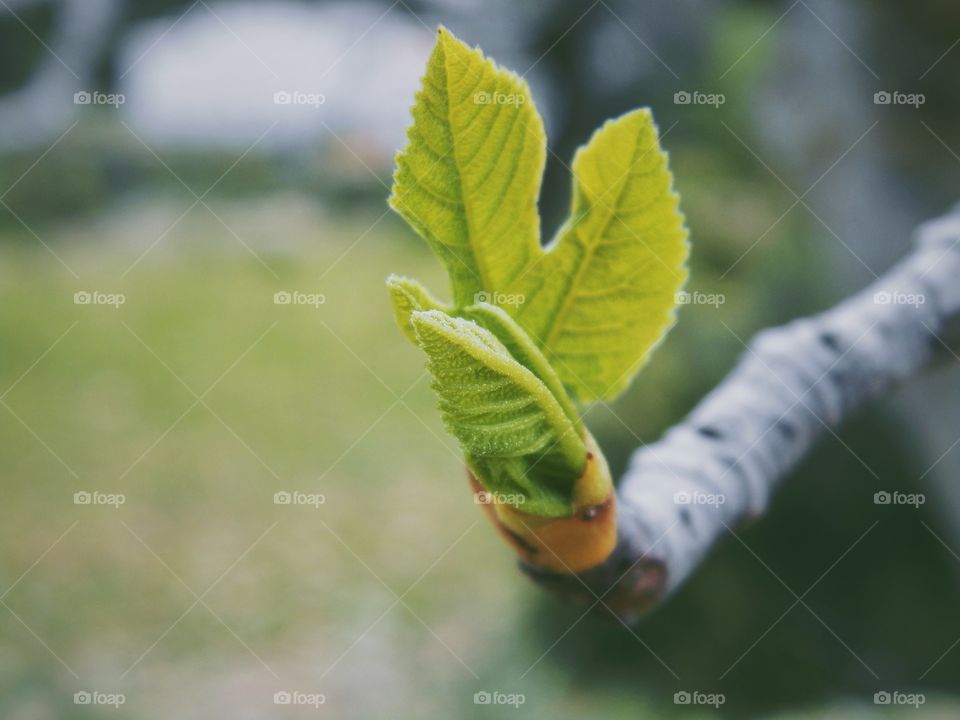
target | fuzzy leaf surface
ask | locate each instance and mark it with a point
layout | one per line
(469, 177)
(515, 434)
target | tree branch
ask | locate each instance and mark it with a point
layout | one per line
(721, 464)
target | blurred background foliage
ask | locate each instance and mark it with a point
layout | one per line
(797, 190)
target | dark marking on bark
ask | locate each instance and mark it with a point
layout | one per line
(831, 341)
(786, 429)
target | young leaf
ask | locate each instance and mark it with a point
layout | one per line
(469, 177)
(407, 295)
(524, 351)
(515, 434)
(602, 296)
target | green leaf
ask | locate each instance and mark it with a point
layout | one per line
(603, 295)
(407, 296)
(534, 326)
(524, 351)
(469, 177)
(515, 434)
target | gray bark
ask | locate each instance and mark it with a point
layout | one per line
(721, 464)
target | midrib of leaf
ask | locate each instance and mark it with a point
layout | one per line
(467, 209)
(589, 250)
(493, 166)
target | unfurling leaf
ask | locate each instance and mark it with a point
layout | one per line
(407, 296)
(524, 351)
(514, 432)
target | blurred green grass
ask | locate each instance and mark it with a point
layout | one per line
(327, 400)
(300, 411)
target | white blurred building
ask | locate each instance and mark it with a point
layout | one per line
(224, 73)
